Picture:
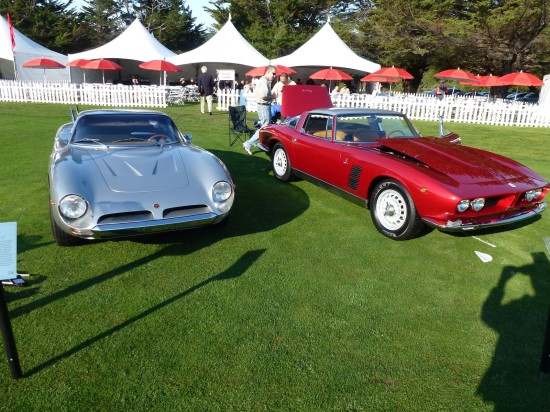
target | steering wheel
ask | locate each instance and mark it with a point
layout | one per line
(395, 132)
(158, 137)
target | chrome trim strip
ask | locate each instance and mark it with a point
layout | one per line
(514, 219)
(154, 226)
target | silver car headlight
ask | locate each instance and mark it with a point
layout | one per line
(533, 194)
(463, 205)
(223, 195)
(72, 207)
(221, 192)
(477, 204)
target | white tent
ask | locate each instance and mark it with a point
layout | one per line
(25, 50)
(326, 49)
(227, 49)
(134, 45)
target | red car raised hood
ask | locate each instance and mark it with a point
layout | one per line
(458, 162)
(300, 98)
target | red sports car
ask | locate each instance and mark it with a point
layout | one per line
(377, 159)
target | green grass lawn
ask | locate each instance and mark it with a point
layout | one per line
(297, 304)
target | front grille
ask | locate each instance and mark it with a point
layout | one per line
(183, 211)
(126, 217)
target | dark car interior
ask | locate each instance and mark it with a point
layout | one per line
(124, 128)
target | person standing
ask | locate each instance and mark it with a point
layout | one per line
(264, 97)
(206, 89)
(277, 92)
(441, 90)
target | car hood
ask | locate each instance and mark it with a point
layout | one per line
(461, 163)
(141, 170)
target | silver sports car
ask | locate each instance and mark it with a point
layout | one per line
(118, 173)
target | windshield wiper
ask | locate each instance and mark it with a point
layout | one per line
(130, 139)
(88, 140)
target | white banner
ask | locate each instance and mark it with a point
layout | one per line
(8, 250)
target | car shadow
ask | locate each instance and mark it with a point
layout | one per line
(512, 381)
(237, 269)
(262, 203)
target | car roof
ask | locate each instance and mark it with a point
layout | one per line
(340, 111)
(118, 112)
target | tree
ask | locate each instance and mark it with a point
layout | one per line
(51, 23)
(483, 36)
(277, 28)
(172, 23)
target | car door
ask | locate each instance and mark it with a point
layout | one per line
(315, 152)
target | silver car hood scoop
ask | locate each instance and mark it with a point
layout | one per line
(133, 171)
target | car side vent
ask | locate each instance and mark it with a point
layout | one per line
(354, 175)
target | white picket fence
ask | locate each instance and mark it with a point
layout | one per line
(417, 106)
(425, 107)
(114, 95)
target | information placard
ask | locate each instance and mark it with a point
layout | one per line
(226, 74)
(8, 250)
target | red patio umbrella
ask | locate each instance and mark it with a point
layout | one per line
(393, 72)
(79, 63)
(520, 79)
(43, 63)
(162, 66)
(484, 81)
(102, 64)
(376, 78)
(455, 74)
(330, 74)
(260, 71)
(373, 77)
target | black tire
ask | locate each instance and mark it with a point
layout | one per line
(393, 211)
(62, 238)
(282, 170)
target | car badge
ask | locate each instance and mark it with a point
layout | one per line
(511, 184)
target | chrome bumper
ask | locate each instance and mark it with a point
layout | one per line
(154, 226)
(457, 226)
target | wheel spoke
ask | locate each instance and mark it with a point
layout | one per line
(391, 210)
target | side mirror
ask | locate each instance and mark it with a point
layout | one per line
(188, 137)
(63, 136)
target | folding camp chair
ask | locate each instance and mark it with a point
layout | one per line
(237, 125)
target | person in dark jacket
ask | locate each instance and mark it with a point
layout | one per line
(206, 89)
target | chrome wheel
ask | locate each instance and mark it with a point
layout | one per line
(280, 163)
(391, 210)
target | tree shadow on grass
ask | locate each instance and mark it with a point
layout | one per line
(234, 271)
(512, 381)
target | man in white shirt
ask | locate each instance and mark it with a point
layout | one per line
(264, 97)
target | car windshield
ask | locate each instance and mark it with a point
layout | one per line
(126, 128)
(366, 128)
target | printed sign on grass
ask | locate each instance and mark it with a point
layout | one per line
(8, 250)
